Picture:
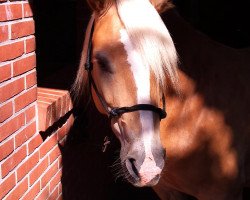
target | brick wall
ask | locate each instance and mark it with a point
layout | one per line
(30, 166)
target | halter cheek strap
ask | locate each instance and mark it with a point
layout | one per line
(116, 112)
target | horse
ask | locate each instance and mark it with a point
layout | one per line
(183, 127)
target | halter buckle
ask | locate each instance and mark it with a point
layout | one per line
(106, 142)
(113, 113)
(88, 66)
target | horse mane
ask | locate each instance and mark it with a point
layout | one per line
(150, 38)
(79, 86)
(100, 6)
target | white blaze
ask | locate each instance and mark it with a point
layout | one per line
(141, 75)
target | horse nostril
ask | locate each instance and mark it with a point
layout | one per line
(132, 163)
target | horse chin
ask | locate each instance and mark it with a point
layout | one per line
(138, 181)
(141, 183)
(147, 184)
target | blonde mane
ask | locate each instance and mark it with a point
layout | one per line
(150, 38)
(79, 84)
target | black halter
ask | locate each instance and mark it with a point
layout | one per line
(115, 112)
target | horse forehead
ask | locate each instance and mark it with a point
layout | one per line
(107, 43)
(107, 28)
(109, 40)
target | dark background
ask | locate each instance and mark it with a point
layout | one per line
(226, 21)
(60, 27)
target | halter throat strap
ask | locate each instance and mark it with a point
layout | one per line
(116, 112)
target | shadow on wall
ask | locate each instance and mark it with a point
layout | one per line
(60, 27)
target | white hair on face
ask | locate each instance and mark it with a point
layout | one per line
(150, 38)
(141, 74)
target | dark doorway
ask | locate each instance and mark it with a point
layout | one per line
(60, 27)
(225, 21)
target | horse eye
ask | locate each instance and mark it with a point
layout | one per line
(103, 63)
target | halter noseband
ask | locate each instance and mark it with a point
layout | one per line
(116, 112)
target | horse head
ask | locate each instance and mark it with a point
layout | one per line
(133, 60)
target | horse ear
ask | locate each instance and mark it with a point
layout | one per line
(162, 5)
(99, 5)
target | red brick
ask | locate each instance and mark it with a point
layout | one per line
(6, 185)
(30, 114)
(6, 149)
(32, 192)
(10, 12)
(27, 166)
(34, 143)
(61, 132)
(44, 194)
(25, 134)
(5, 72)
(69, 104)
(48, 145)
(52, 104)
(11, 51)
(54, 154)
(6, 111)
(38, 170)
(4, 33)
(50, 173)
(11, 126)
(53, 195)
(64, 111)
(18, 191)
(25, 99)
(44, 115)
(13, 161)
(55, 104)
(27, 10)
(45, 97)
(69, 123)
(59, 162)
(23, 65)
(60, 197)
(60, 188)
(30, 44)
(56, 179)
(21, 29)
(30, 80)
(55, 93)
(11, 89)
(52, 108)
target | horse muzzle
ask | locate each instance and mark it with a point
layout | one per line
(144, 170)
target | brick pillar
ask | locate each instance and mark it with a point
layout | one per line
(30, 165)
(18, 93)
